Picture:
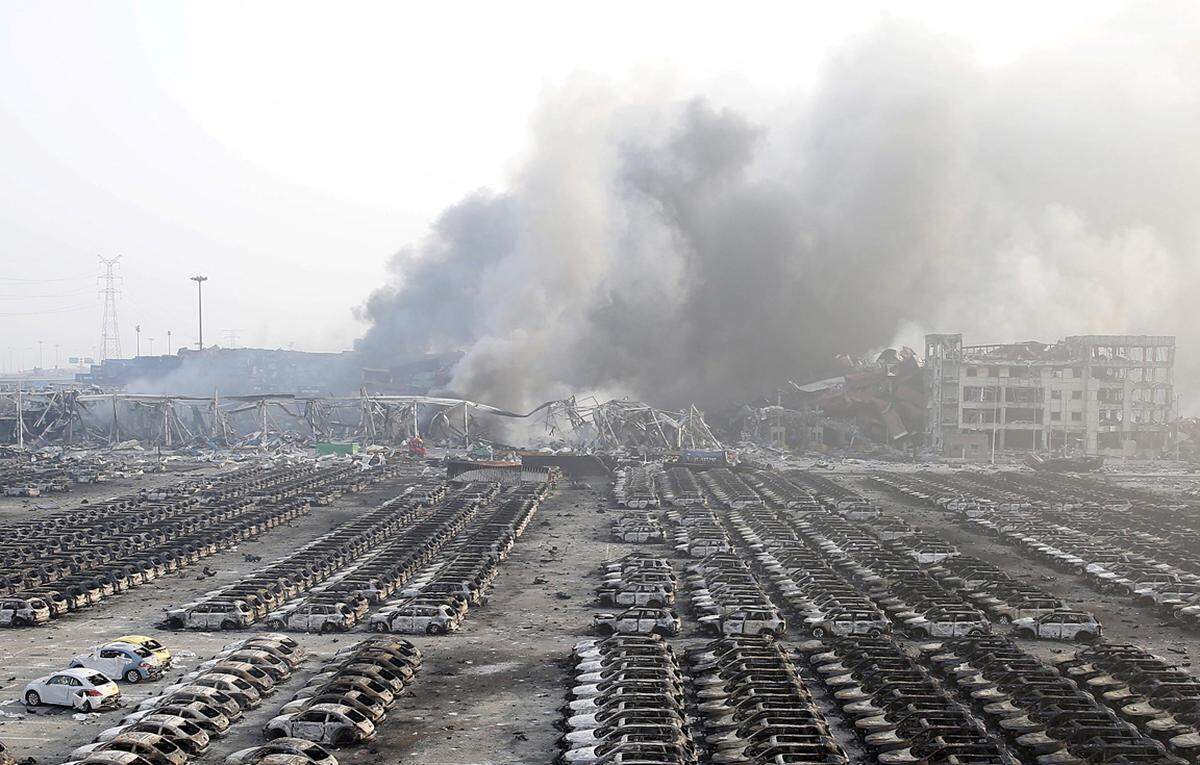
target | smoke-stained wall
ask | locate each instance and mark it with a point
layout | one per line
(662, 245)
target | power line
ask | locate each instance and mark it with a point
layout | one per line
(42, 281)
(48, 312)
(52, 295)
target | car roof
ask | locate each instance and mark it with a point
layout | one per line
(80, 672)
(119, 644)
(164, 719)
(139, 735)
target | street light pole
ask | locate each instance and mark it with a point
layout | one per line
(137, 342)
(168, 342)
(200, 280)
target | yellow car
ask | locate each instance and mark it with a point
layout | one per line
(150, 644)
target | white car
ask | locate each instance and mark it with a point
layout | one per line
(83, 689)
(334, 724)
(133, 663)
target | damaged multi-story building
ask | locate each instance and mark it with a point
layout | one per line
(1107, 395)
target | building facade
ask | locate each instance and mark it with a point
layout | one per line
(1110, 395)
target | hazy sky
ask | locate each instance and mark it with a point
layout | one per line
(287, 149)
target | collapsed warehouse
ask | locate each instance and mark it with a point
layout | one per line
(873, 404)
(78, 419)
(1104, 395)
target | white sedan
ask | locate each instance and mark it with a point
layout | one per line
(84, 689)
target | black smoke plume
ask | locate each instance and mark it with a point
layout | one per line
(676, 250)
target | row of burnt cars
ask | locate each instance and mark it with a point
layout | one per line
(350, 695)
(653, 485)
(846, 577)
(726, 596)
(420, 568)
(386, 562)
(901, 711)
(898, 711)
(438, 598)
(637, 527)
(634, 486)
(240, 604)
(1105, 703)
(843, 580)
(1146, 552)
(645, 587)
(876, 570)
(738, 699)
(35, 472)
(626, 704)
(733, 701)
(21, 476)
(984, 699)
(68, 560)
(319, 482)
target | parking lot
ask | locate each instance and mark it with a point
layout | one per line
(790, 577)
